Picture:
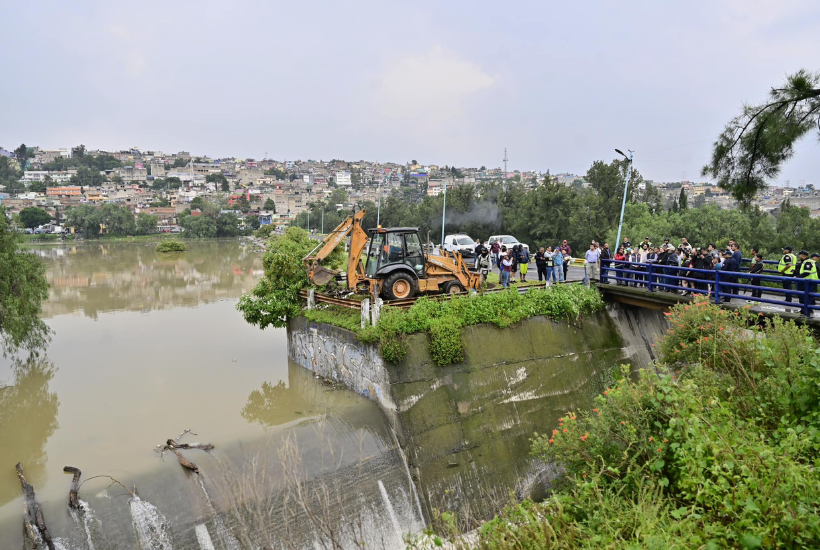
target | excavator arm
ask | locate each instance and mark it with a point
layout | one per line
(320, 275)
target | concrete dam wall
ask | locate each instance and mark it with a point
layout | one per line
(465, 429)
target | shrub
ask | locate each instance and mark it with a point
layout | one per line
(718, 450)
(443, 319)
(171, 246)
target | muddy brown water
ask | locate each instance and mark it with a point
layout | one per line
(146, 347)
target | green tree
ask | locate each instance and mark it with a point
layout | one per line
(173, 182)
(276, 296)
(78, 151)
(218, 178)
(198, 203)
(32, 217)
(243, 204)
(683, 201)
(270, 205)
(755, 144)
(225, 186)
(87, 177)
(23, 288)
(146, 223)
(608, 181)
(179, 163)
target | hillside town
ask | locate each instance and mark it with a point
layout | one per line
(269, 191)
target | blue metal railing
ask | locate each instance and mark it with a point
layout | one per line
(723, 286)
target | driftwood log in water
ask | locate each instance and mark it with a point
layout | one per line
(32, 513)
(173, 446)
(203, 446)
(73, 499)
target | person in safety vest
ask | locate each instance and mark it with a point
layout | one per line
(786, 269)
(808, 271)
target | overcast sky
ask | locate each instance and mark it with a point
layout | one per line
(559, 84)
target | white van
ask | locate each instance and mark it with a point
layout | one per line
(460, 243)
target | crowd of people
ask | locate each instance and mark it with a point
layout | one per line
(629, 266)
(551, 264)
(702, 263)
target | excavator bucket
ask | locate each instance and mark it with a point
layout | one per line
(321, 275)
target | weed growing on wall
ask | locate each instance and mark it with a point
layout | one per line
(443, 320)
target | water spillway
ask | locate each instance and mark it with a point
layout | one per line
(465, 429)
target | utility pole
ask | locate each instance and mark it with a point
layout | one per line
(443, 213)
(505, 166)
(323, 221)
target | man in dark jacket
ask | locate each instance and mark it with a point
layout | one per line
(541, 263)
(606, 254)
(729, 266)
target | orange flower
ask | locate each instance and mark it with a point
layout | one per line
(565, 430)
(659, 449)
(584, 437)
(665, 440)
(550, 441)
(594, 410)
(554, 432)
(623, 423)
(650, 440)
(604, 392)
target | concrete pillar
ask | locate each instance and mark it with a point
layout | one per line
(375, 311)
(311, 299)
(365, 312)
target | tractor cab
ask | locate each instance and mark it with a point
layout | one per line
(397, 247)
(396, 255)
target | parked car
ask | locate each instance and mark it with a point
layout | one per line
(506, 240)
(460, 243)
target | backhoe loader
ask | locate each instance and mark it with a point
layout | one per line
(394, 264)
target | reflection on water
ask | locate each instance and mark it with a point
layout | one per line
(96, 278)
(136, 369)
(28, 417)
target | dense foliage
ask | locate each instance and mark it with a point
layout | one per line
(171, 246)
(548, 213)
(276, 296)
(23, 288)
(109, 218)
(720, 450)
(212, 222)
(32, 217)
(444, 319)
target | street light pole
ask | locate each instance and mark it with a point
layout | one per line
(323, 221)
(379, 210)
(626, 188)
(443, 213)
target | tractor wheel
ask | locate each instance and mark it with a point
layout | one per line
(453, 287)
(399, 286)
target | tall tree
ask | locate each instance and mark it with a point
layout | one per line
(23, 288)
(755, 144)
(78, 151)
(683, 201)
(32, 217)
(270, 205)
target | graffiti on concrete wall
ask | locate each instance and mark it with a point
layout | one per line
(357, 366)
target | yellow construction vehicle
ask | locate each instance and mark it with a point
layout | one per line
(394, 264)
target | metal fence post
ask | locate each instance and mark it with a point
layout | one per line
(805, 306)
(717, 287)
(649, 285)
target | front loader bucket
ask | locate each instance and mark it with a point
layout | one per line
(321, 275)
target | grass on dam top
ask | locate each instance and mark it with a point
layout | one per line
(444, 319)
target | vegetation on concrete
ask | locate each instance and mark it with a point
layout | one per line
(23, 288)
(276, 296)
(444, 319)
(719, 450)
(171, 246)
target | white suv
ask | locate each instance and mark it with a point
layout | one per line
(506, 240)
(460, 243)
